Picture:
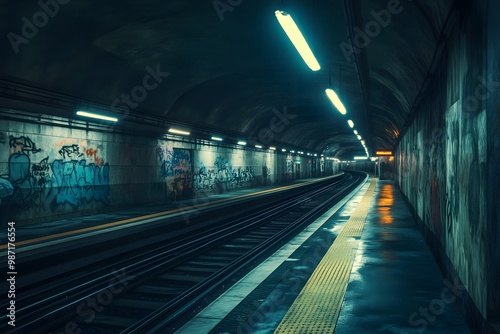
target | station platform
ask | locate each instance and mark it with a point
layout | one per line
(362, 267)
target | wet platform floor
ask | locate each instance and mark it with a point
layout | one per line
(395, 286)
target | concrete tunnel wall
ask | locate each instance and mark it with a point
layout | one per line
(49, 172)
(446, 159)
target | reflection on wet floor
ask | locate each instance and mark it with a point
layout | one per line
(384, 204)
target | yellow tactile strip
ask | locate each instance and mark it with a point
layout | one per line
(317, 307)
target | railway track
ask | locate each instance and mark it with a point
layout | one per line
(152, 292)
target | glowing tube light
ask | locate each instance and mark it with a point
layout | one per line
(355, 132)
(179, 132)
(217, 138)
(242, 142)
(351, 123)
(96, 116)
(359, 137)
(293, 32)
(336, 101)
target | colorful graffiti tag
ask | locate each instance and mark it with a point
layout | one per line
(70, 180)
(77, 182)
(181, 185)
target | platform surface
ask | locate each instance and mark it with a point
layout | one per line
(396, 285)
(393, 285)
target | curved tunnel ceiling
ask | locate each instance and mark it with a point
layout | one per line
(236, 74)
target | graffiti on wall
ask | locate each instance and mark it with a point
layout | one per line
(91, 153)
(23, 144)
(19, 185)
(289, 166)
(6, 188)
(435, 205)
(41, 175)
(165, 156)
(175, 165)
(181, 183)
(70, 151)
(79, 182)
(204, 179)
(452, 157)
(223, 176)
(70, 180)
(76, 180)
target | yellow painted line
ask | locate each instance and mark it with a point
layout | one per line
(154, 215)
(317, 307)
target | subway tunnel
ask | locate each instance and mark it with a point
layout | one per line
(135, 133)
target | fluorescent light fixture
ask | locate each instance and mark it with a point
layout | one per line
(217, 138)
(300, 152)
(179, 132)
(283, 150)
(242, 142)
(335, 100)
(360, 158)
(272, 148)
(292, 151)
(97, 116)
(258, 146)
(363, 142)
(293, 32)
(355, 132)
(351, 123)
(359, 137)
(315, 155)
